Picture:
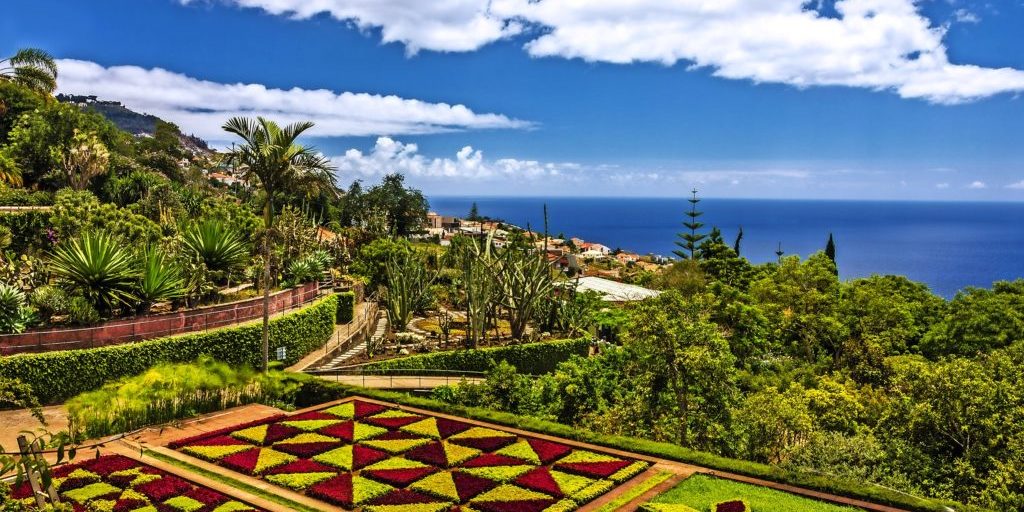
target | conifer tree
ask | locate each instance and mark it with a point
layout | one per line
(739, 239)
(689, 242)
(474, 213)
(830, 248)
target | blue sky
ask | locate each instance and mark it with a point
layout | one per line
(856, 99)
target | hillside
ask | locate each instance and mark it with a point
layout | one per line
(133, 122)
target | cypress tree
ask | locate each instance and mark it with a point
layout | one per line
(689, 241)
(830, 248)
(736, 244)
(474, 213)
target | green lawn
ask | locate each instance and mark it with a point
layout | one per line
(700, 492)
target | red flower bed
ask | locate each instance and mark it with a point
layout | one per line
(732, 506)
(107, 477)
(362, 454)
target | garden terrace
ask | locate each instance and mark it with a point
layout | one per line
(129, 330)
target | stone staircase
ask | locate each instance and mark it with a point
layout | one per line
(379, 333)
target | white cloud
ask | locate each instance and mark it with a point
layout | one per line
(977, 185)
(873, 44)
(201, 106)
(942, 186)
(1016, 186)
(965, 16)
(389, 155)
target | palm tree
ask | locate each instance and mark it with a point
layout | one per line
(271, 158)
(32, 68)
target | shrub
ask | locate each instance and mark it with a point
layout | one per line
(346, 307)
(173, 391)
(58, 376)
(532, 358)
(49, 301)
(99, 267)
(161, 279)
(28, 229)
(731, 506)
(82, 312)
(15, 314)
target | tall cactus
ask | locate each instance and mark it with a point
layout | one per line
(407, 281)
(526, 280)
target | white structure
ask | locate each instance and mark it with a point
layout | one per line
(614, 291)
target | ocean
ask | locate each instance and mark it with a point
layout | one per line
(947, 245)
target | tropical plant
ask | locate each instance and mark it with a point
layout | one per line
(220, 247)
(15, 313)
(84, 159)
(98, 267)
(271, 158)
(303, 271)
(82, 312)
(480, 291)
(32, 68)
(161, 279)
(407, 280)
(10, 173)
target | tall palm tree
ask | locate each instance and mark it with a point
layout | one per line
(271, 158)
(32, 68)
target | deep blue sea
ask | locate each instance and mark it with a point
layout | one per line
(946, 245)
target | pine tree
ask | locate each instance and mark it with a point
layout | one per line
(739, 239)
(474, 213)
(689, 241)
(779, 252)
(830, 248)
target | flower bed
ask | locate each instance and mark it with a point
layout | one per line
(376, 458)
(116, 483)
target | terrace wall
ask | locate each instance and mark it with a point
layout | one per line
(129, 330)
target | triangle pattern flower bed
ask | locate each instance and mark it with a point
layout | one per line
(121, 484)
(371, 457)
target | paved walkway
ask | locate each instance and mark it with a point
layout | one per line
(14, 422)
(380, 330)
(340, 335)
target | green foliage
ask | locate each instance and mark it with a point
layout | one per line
(57, 376)
(49, 300)
(389, 208)
(218, 246)
(23, 197)
(531, 358)
(99, 268)
(978, 321)
(373, 257)
(168, 392)
(76, 212)
(32, 68)
(16, 99)
(15, 313)
(346, 307)
(28, 230)
(689, 242)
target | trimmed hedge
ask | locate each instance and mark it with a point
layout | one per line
(532, 358)
(346, 307)
(58, 376)
(317, 391)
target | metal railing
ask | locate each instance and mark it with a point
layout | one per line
(129, 330)
(401, 378)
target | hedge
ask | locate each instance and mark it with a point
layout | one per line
(346, 307)
(58, 376)
(532, 358)
(28, 229)
(317, 391)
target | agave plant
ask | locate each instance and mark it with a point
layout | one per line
(221, 247)
(303, 271)
(161, 279)
(15, 314)
(98, 267)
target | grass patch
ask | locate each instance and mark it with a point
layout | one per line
(255, 491)
(636, 491)
(701, 492)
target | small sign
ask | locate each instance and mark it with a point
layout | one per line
(282, 353)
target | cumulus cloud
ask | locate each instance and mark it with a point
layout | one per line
(977, 185)
(201, 106)
(389, 155)
(1016, 186)
(965, 16)
(873, 44)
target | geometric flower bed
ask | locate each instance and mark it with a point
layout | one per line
(116, 483)
(375, 458)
